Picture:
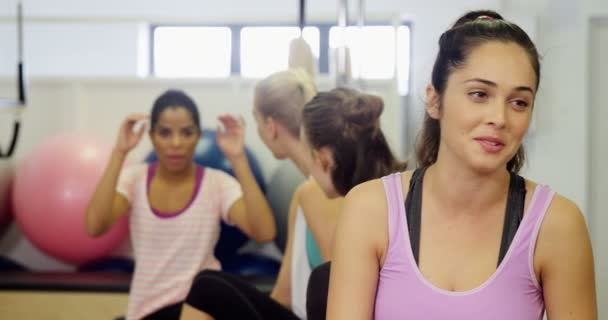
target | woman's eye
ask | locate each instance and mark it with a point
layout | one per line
(478, 94)
(521, 104)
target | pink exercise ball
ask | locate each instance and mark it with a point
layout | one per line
(52, 188)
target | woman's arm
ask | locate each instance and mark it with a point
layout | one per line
(321, 215)
(282, 289)
(360, 240)
(565, 261)
(251, 213)
(106, 205)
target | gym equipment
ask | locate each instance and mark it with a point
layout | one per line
(7, 173)
(109, 264)
(300, 53)
(52, 189)
(20, 103)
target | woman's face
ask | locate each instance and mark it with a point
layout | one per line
(175, 137)
(486, 108)
(267, 130)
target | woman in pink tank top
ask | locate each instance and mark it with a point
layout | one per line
(443, 264)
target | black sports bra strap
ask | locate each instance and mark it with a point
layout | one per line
(413, 205)
(513, 213)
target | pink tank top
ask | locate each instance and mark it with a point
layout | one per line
(512, 292)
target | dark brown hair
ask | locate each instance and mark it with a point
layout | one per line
(348, 123)
(174, 99)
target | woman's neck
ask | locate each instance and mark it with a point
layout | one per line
(299, 154)
(175, 176)
(462, 190)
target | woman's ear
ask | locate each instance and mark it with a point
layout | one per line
(272, 126)
(433, 102)
(326, 159)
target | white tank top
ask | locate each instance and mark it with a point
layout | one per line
(300, 266)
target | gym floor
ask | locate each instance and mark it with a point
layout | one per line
(61, 305)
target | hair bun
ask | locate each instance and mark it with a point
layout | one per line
(365, 110)
(479, 15)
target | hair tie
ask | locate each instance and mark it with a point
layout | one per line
(484, 17)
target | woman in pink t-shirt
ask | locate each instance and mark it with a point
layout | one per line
(175, 206)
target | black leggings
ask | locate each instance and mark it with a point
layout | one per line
(171, 312)
(316, 293)
(224, 296)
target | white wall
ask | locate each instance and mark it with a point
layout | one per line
(229, 10)
(599, 154)
(75, 48)
(596, 8)
(558, 152)
(597, 173)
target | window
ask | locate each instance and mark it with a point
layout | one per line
(377, 51)
(372, 49)
(403, 59)
(265, 50)
(192, 51)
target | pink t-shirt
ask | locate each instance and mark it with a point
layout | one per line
(170, 249)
